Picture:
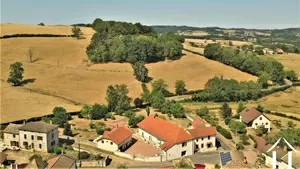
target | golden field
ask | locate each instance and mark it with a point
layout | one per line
(222, 42)
(63, 77)
(290, 61)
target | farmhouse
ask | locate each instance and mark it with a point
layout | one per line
(204, 138)
(173, 141)
(38, 136)
(253, 118)
(118, 139)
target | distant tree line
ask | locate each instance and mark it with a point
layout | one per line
(246, 61)
(127, 42)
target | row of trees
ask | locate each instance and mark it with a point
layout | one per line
(223, 90)
(246, 61)
(126, 42)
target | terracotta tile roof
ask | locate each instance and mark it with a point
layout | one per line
(117, 135)
(198, 123)
(12, 128)
(249, 114)
(61, 161)
(3, 157)
(261, 143)
(237, 160)
(40, 127)
(202, 132)
(170, 133)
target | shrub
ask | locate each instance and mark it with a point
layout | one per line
(217, 166)
(240, 146)
(138, 102)
(236, 116)
(100, 131)
(84, 155)
(113, 117)
(92, 125)
(227, 120)
(129, 113)
(57, 150)
(224, 132)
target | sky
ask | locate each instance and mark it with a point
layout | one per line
(266, 14)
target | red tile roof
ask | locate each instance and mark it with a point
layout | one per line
(198, 123)
(3, 157)
(249, 114)
(61, 161)
(170, 133)
(202, 132)
(117, 135)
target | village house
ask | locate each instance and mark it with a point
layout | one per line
(279, 51)
(38, 136)
(253, 119)
(204, 138)
(118, 139)
(173, 141)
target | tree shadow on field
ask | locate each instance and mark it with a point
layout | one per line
(26, 81)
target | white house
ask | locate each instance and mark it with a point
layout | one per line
(204, 138)
(118, 139)
(173, 141)
(253, 118)
(38, 136)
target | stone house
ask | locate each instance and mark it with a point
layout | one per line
(37, 136)
(253, 119)
(118, 139)
(173, 141)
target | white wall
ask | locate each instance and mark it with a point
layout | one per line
(107, 145)
(205, 141)
(9, 137)
(261, 120)
(148, 137)
(175, 151)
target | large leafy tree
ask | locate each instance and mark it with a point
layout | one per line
(180, 87)
(98, 111)
(77, 33)
(226, 110)
(16, 74)
(263, 80)
(236, 126)
(117, 98)
(60, 116)
(67, 130)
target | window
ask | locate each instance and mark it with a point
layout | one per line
(256, 124)
(208, 137)
(111, 143)
(202, 138)
(32, 137)
(197, 140)
(208, 145)
(184, 144)
(102, 141)
(40, 146)
(32, 145)
(14, 136)
(52, 143)
(260, 118)
(25, 137)
(202, 145)
(39, 138)
(183, 153)
(266, 123)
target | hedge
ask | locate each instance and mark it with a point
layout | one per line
(33, 35)
(224, 132)
(282, 115)
(252, 138)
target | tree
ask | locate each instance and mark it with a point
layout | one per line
(237, 127)
(179, 87)
(134, 120)
(67, 130)
(98, 111)
(159, 86)
(240, 108)
(138, 102)
(203, 111)
(157, 100)
(230, 43)
(117, 98)
(86, 111)
(100, 131)
(177, 110)
(263, 80)
(244, 138)
(291, 75)
(148, 111)
(60, 116)
(226, 110)
(41, 24)
(260, 108)
(16, 74)
(140, 71)
(77, 32)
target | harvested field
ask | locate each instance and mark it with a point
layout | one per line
(18, 103)
(222, 42)
(9, 29)
(290, 61)
(195, 70)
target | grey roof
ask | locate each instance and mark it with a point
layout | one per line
(40, 127)
(12, 128)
